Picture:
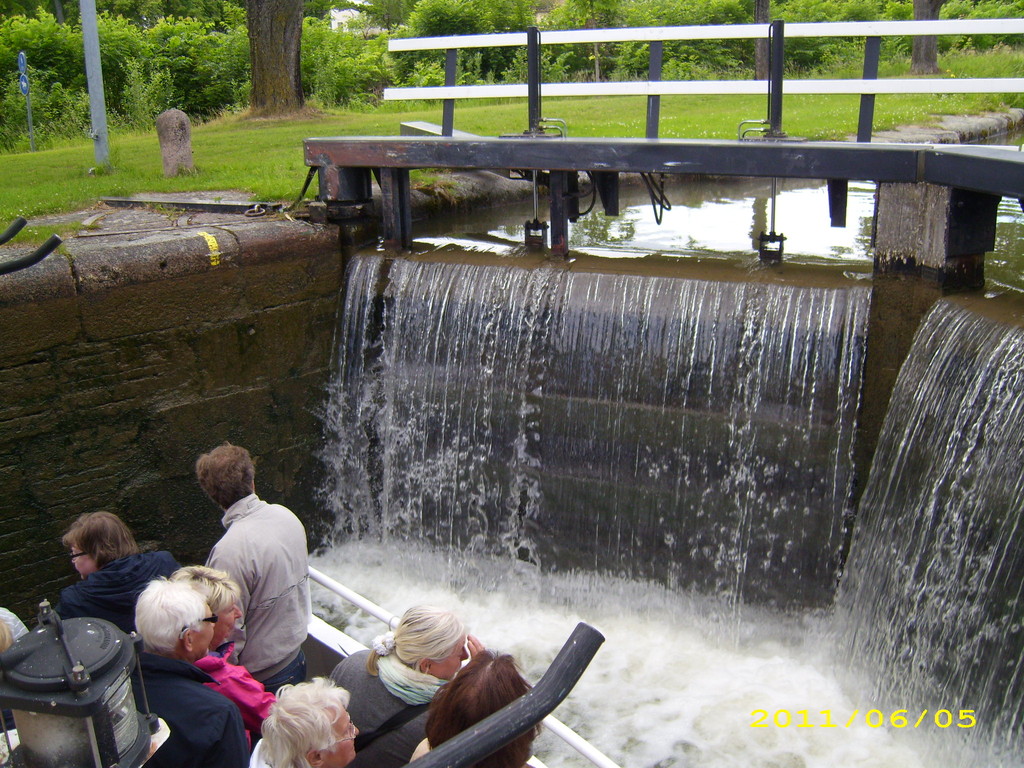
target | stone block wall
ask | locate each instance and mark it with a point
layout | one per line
(123, 359)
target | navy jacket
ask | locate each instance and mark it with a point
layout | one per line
(206, 727)
(110, 593)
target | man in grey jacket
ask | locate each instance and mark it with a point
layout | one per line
(264, 550)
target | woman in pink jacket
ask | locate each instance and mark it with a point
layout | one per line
(232, 680)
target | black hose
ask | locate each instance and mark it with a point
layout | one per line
(22, 262)
(524, 713)
(11, 231)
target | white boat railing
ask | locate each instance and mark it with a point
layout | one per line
(555, 726)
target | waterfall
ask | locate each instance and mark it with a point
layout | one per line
(932, 599)
(695, 433)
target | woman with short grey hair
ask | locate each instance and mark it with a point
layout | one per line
(308, 727)
(392, 684)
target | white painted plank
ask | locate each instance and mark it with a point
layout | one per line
(718, 32)
(715, 87)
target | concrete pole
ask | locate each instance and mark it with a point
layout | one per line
(94, 78)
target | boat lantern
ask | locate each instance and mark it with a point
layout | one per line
(69, 686)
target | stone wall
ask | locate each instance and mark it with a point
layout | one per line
(123, 358)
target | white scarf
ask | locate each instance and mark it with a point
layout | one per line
(408, 684)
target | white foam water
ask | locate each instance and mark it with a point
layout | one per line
(678, 681)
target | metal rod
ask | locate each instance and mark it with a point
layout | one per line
(536, 198)
(16, 226)
(354, 597)
(23, 262)
(94, 79)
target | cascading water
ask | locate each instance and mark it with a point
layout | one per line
(933, 599)
(697, 433)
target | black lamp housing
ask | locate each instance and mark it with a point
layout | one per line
(69, 685)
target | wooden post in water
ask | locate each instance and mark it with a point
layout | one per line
(937, 233)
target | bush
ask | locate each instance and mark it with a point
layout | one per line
(207, 68)
(338, 67)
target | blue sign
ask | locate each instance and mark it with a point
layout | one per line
(22, 62)
(23, 84)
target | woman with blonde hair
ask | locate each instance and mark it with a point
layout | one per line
(392, 684)
(114, 572)
(222, 594)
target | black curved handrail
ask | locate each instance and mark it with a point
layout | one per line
(16, 226)
(524, 713)
(23, 262)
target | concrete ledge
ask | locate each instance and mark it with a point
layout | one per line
(955, 129)
(102, 263)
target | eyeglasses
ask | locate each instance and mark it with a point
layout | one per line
(350, 733)
(75, 555)
(211, 619)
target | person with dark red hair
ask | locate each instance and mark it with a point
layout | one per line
(486, 684)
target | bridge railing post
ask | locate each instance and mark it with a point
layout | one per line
(533, 77)
(451, 58)
(654, 75)
(865, 122)
(776, 67)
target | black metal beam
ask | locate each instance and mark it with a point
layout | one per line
(783, 159)
(981, 169)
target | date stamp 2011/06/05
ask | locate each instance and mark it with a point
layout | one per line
(873, 718)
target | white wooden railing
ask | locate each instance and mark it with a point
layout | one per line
(654, 87)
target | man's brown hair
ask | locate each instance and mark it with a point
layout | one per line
(226, 474)
(485, 685)
(101, 535)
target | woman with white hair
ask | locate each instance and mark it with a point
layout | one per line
(223, 595)
(308, 727)
(392, 684)
(176, 626)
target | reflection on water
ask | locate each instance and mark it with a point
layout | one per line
(724, 217)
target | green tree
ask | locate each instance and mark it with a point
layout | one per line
(18, 7)
(596, 14)
(440, 18)
(387, 14)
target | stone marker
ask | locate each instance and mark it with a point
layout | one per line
(175, 133)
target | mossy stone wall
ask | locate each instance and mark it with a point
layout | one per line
(121, 362)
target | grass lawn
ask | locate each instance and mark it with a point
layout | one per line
(264, 158)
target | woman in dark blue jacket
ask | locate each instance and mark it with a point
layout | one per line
(113, 571)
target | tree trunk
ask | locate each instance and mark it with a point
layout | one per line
(275, 33)
(762, 15)
(924, 55)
